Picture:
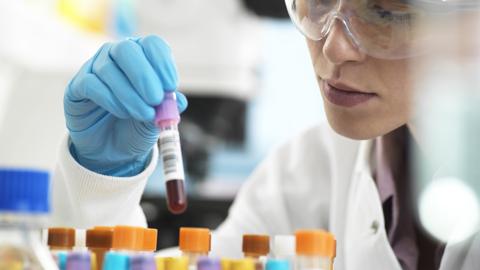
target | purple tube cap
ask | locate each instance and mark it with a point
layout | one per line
(168, 110)
(78, 261)
(144, 261)
(206, 263)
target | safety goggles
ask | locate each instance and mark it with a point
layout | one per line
(381, 28)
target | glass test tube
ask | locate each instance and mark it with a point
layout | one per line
(278, 264)
(61, 241)
(79, 260)
(61, 238)
(315, 250)
(284, 247)
(194, 243)
(99, 241)
(206, 263)
(143, 261)
(256, 247)
(179, 263)
(167, 119)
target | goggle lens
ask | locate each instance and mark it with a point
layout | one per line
(381, 28)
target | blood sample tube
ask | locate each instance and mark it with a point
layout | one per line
(284, 247)
(180, 263)
(99, 241)
(242, 264)
(79, 260)
(149, 240)
(142, 261)
(167, 119)
(278, 264)
(128, 238)
(315, 250)
(61, 239)
(226, 263)
(205, 263)
(115, 260)
(160, 262)
(194, 243)
(256, 247)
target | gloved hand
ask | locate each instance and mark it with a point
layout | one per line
(109, 105)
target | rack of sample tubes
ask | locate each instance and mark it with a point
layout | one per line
(133, 248)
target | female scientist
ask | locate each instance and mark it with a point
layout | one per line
(350, 177)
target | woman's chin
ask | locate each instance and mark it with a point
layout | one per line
(357, 129)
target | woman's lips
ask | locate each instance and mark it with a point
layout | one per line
(343, 95)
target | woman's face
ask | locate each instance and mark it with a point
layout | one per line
(364, 97)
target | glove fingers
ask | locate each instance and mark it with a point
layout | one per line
(110, 74)
(129, 57)
(93, 93)
(160, 57)
(182, 101)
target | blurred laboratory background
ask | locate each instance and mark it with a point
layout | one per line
(242, 64)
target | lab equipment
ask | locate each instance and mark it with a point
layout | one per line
(226, 263)
(284, 247)
(61, 238)
(116, 261)
(99, 241)
(194, 243)
(167, 119)
(79, 260)
(129, 238)
(256, 247)
(206, 263)
(160, 262)
(180, 263)
(117, 90)
(278, 264)
(315, 250)
(242, 264)
(142, 261)
(60, 241)
(383, 29)
(137, 243)
(24, 206)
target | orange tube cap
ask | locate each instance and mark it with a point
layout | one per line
(315, 243)
(194, 240)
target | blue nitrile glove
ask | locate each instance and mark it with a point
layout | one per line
(109, 105)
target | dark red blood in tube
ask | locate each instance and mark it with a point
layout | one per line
(176, 198)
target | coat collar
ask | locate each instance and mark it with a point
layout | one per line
(366, 242)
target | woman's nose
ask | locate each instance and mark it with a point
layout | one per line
(339, 48)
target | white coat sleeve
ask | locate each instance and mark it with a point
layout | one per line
(83, 199)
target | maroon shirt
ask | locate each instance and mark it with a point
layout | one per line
(413, 248)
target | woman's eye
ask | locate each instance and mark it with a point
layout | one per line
(390, 15)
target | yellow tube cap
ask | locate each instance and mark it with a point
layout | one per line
(179, 263)
(242, 264)
(226, 263)
(160, 262)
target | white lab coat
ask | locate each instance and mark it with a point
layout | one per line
(318, 180)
